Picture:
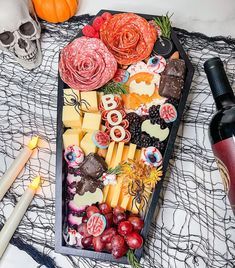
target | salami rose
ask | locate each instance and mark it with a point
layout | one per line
(86, 64)
(129, 37)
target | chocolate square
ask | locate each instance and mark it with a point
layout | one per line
(171, 86)
(175, 68)
(88, 184)
(93, 166)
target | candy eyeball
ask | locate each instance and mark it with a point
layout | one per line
(156, 64)
(151, 156)
(73, 155)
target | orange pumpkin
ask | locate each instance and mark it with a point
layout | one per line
(55, 10)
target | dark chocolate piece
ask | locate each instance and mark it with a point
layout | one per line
(88, 184)
(93, 166)
(175, 67)
(171, 86)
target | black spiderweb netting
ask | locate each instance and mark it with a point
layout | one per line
(194, 225)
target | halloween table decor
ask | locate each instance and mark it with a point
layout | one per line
(20, 32)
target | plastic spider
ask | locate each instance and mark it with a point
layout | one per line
(140, 194)
(73, 100)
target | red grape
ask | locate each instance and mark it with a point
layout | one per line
(108, 247)
(118, 242)
(82, 229)
(118, 209)
(134, 240)
(84, 219)
(108, 234)
(109, 220)
(137, 223)
(119, 252)
(125, 227)
(87, 242)
(98, 244)
(105, 208)
(117, 218)
(91, 210)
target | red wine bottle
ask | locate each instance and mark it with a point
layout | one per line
(222, 125)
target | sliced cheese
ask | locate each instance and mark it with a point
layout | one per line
(125, 153)
(71, 117)
(91, 121)
(123, 200)
(89, 102)
(116, 159)
(109, 154)
(114, 190)
(138, 154)
(112, 149)
(131, 152)
(72, 137)
(87, 145)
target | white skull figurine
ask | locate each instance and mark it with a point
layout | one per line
(20, 32)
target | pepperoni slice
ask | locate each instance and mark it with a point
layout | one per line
(86, 64)
(129, 37)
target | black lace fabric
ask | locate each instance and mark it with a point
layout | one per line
(193, 224)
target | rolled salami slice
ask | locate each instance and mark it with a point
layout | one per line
(129, 37)
(86, 64)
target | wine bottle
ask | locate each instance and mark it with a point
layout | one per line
(222, 125)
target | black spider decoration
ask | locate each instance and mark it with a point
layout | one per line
(73, 100)
(140, 194)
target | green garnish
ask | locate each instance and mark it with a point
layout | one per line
(132, 259)
(114, 88)
(164, 23)
(117, 170)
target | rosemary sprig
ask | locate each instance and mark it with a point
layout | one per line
(164, 23)
(114, 88)
(132, 259)
(117, 170)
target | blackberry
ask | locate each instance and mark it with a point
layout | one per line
(144, 117)
(133, 118)
(145, 140)
(154, 114)
(135, 138)
(172, 101)
(135, 128)
(159, 145)
(162, 124)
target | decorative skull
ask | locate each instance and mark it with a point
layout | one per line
(20, 32)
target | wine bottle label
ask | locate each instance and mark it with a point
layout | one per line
(224, 152)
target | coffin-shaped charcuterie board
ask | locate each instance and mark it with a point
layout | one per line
(123, 85)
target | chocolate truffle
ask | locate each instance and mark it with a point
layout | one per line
(93, 166)
(88, 184)
(175, 67)
(171, 86)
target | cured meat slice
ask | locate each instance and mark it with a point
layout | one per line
(86, 64)
(129, 37)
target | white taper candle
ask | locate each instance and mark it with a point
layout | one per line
(17, 214)
(13, 171)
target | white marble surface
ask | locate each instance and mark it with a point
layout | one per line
(212, 17)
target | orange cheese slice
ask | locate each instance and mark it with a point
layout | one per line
(117, 160)
(119, 197)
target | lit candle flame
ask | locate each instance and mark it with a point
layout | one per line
(33, 143)
(35, 183)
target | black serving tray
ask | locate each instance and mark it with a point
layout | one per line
(60, 245)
